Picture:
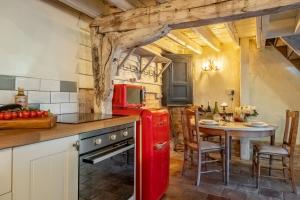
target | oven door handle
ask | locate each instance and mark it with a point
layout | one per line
(94, 159)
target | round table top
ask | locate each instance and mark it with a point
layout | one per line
(238, 126)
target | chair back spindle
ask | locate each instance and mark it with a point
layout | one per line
(291, 131)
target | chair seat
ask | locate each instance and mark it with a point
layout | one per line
(268, 149)
(205, 146)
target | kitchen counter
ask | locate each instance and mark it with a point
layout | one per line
(20, 137)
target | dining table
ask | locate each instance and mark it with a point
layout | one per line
(239, 130)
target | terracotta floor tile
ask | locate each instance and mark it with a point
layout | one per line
(242, 186)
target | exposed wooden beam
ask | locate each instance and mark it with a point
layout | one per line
(191, 13)
(170, 46)
(210, 39)
(92, 8)
(297, 27)
(281, 27)
(262, 27)
(231, 29)
(154, 49)
(181, 39)
(126, 4)
(162, 1)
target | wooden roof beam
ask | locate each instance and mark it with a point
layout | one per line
(161, 1)
(92, 8)
(281, 27)
(297, 27)
(126, 4)
(262, 27)
(190, 13)
(210, 39)
(171, 46)
(231, 29)
(181, 39)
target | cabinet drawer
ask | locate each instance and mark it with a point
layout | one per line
(5, 170)
(5, 196)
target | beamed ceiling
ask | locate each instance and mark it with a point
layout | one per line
(192, 40)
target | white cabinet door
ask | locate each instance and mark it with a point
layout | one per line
(46, 171)
(5, 196)
(5, 170)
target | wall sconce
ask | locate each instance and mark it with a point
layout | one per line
(211, 66)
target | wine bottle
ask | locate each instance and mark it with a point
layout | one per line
(208, 108)
(216, 109)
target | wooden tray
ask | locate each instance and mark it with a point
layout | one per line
(43, 122)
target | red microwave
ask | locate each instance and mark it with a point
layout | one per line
(128, 96)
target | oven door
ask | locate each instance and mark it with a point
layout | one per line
(108, 173)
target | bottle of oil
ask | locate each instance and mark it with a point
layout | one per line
(21, 98)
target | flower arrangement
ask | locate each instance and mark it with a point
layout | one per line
(242, 113)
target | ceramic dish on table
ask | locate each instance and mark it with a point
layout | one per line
(208, 122)
(257, 124)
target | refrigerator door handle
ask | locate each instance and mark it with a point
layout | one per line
(160, 146)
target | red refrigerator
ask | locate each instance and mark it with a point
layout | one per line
(153, 149)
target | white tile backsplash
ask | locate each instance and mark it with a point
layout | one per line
(7, 96)
(60, 97)
(44, 93)
(68, 108)
(50, 85)
(38, 97)
(73, 97)
(54, 108)
(28, 83)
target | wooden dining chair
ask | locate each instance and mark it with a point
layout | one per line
(284, 152)
(189, 136)
(196, 144)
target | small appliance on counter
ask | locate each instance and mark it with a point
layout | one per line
(152, 141)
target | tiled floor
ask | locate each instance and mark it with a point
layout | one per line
(242, 186)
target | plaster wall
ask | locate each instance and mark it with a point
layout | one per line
(274, 86)
(211, 86)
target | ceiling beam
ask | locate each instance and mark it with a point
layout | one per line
(210, 39)
(170, 46)
(161, 1)
(262, 28)
(126, 4)
(297, 27)
(281, 27)
(190, 13)
(154, 49)
(181, 39)
(92, 8)
(231, 29)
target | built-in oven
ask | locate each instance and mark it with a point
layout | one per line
(107, 163)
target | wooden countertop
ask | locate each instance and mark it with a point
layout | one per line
(20, 137)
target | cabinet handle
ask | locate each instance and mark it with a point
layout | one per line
(159, 146)
(76, 145)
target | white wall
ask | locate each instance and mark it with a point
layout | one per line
(213, 85)
(46, 40)
(38, 39)
(274, 86)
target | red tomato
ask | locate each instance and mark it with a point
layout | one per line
(39, 113)
(14, 115)
(33, 114)
(25, 113)
(45, 113)
(20, 114)
(1, 115)
(7, 115)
